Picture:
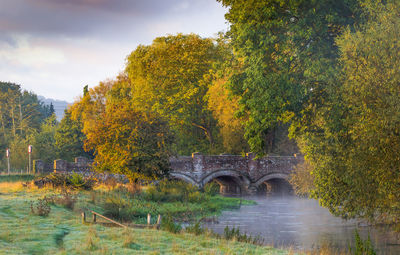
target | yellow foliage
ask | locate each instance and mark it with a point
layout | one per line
(224, 106)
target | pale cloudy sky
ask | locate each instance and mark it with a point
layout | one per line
(55, 47)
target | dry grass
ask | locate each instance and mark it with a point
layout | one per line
(11, 187)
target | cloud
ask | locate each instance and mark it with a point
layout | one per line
(21, 53)
(55, 47)
(88, 17)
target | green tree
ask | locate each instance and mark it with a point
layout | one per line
(18, 153)
(70, 138)
(21, 115)
(355, 159)
(288, 57)
(44, 142)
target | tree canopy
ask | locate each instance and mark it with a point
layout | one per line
(288, 54)
(171, 77)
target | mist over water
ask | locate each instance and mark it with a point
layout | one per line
(301, 224)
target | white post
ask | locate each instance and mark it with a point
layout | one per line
(30, 163)
(8, 160)
(29, 153)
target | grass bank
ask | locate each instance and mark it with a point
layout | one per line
(62, 231)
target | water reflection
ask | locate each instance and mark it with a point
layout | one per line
(301, 224)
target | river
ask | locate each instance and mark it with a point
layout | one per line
(301, 224)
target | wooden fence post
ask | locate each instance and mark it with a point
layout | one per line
(148, 219)
(94, 218)
(83, 218)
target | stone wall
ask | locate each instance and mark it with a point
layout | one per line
(81, 164)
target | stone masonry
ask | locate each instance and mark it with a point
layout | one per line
(245, 174)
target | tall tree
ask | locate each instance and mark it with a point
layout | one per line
(70, 138)
(44, 142)
(170, 77)
(21, 115)
(356, 161)
(125, 139)
(288, 54)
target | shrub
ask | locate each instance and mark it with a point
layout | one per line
(41, 207)
(134, 188)
(78, 181)
(66, 199)
(196, 197)
(117, 208)
(195, 229)
(211, 189)
(234, 234)
(362, 247)
(169, 225)
(62, 180)
(171, 191)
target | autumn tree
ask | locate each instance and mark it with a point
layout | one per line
(125, 139)
(171, 77)
(224, 107)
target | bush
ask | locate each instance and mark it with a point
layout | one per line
(78, 181)
(169, 225)
(211, 189)
(234, 234)
(362, 247)
(195, 229)
(61, 180)
(66, 199)
(117, 208)
(172, 191)
(41, 207)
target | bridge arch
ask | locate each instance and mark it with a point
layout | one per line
(268, 177)
(230, 181)
(276, 183)
(183, 177)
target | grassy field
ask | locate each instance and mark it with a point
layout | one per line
(16, 178)
(62, 231)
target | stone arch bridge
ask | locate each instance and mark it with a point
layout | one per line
(234, 173)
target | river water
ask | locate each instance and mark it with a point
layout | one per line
(301, 224)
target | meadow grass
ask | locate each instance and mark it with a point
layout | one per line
(16, 177)
(62, 232)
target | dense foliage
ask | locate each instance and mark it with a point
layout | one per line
(21, 118)
(356, 161)
(171, 77)
(330, 70)
(288, 54)
(69, 138)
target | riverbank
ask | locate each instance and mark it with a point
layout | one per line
(62, 231)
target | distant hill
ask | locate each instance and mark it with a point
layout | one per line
(59, 106)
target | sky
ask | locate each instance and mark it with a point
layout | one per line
(55, 47)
